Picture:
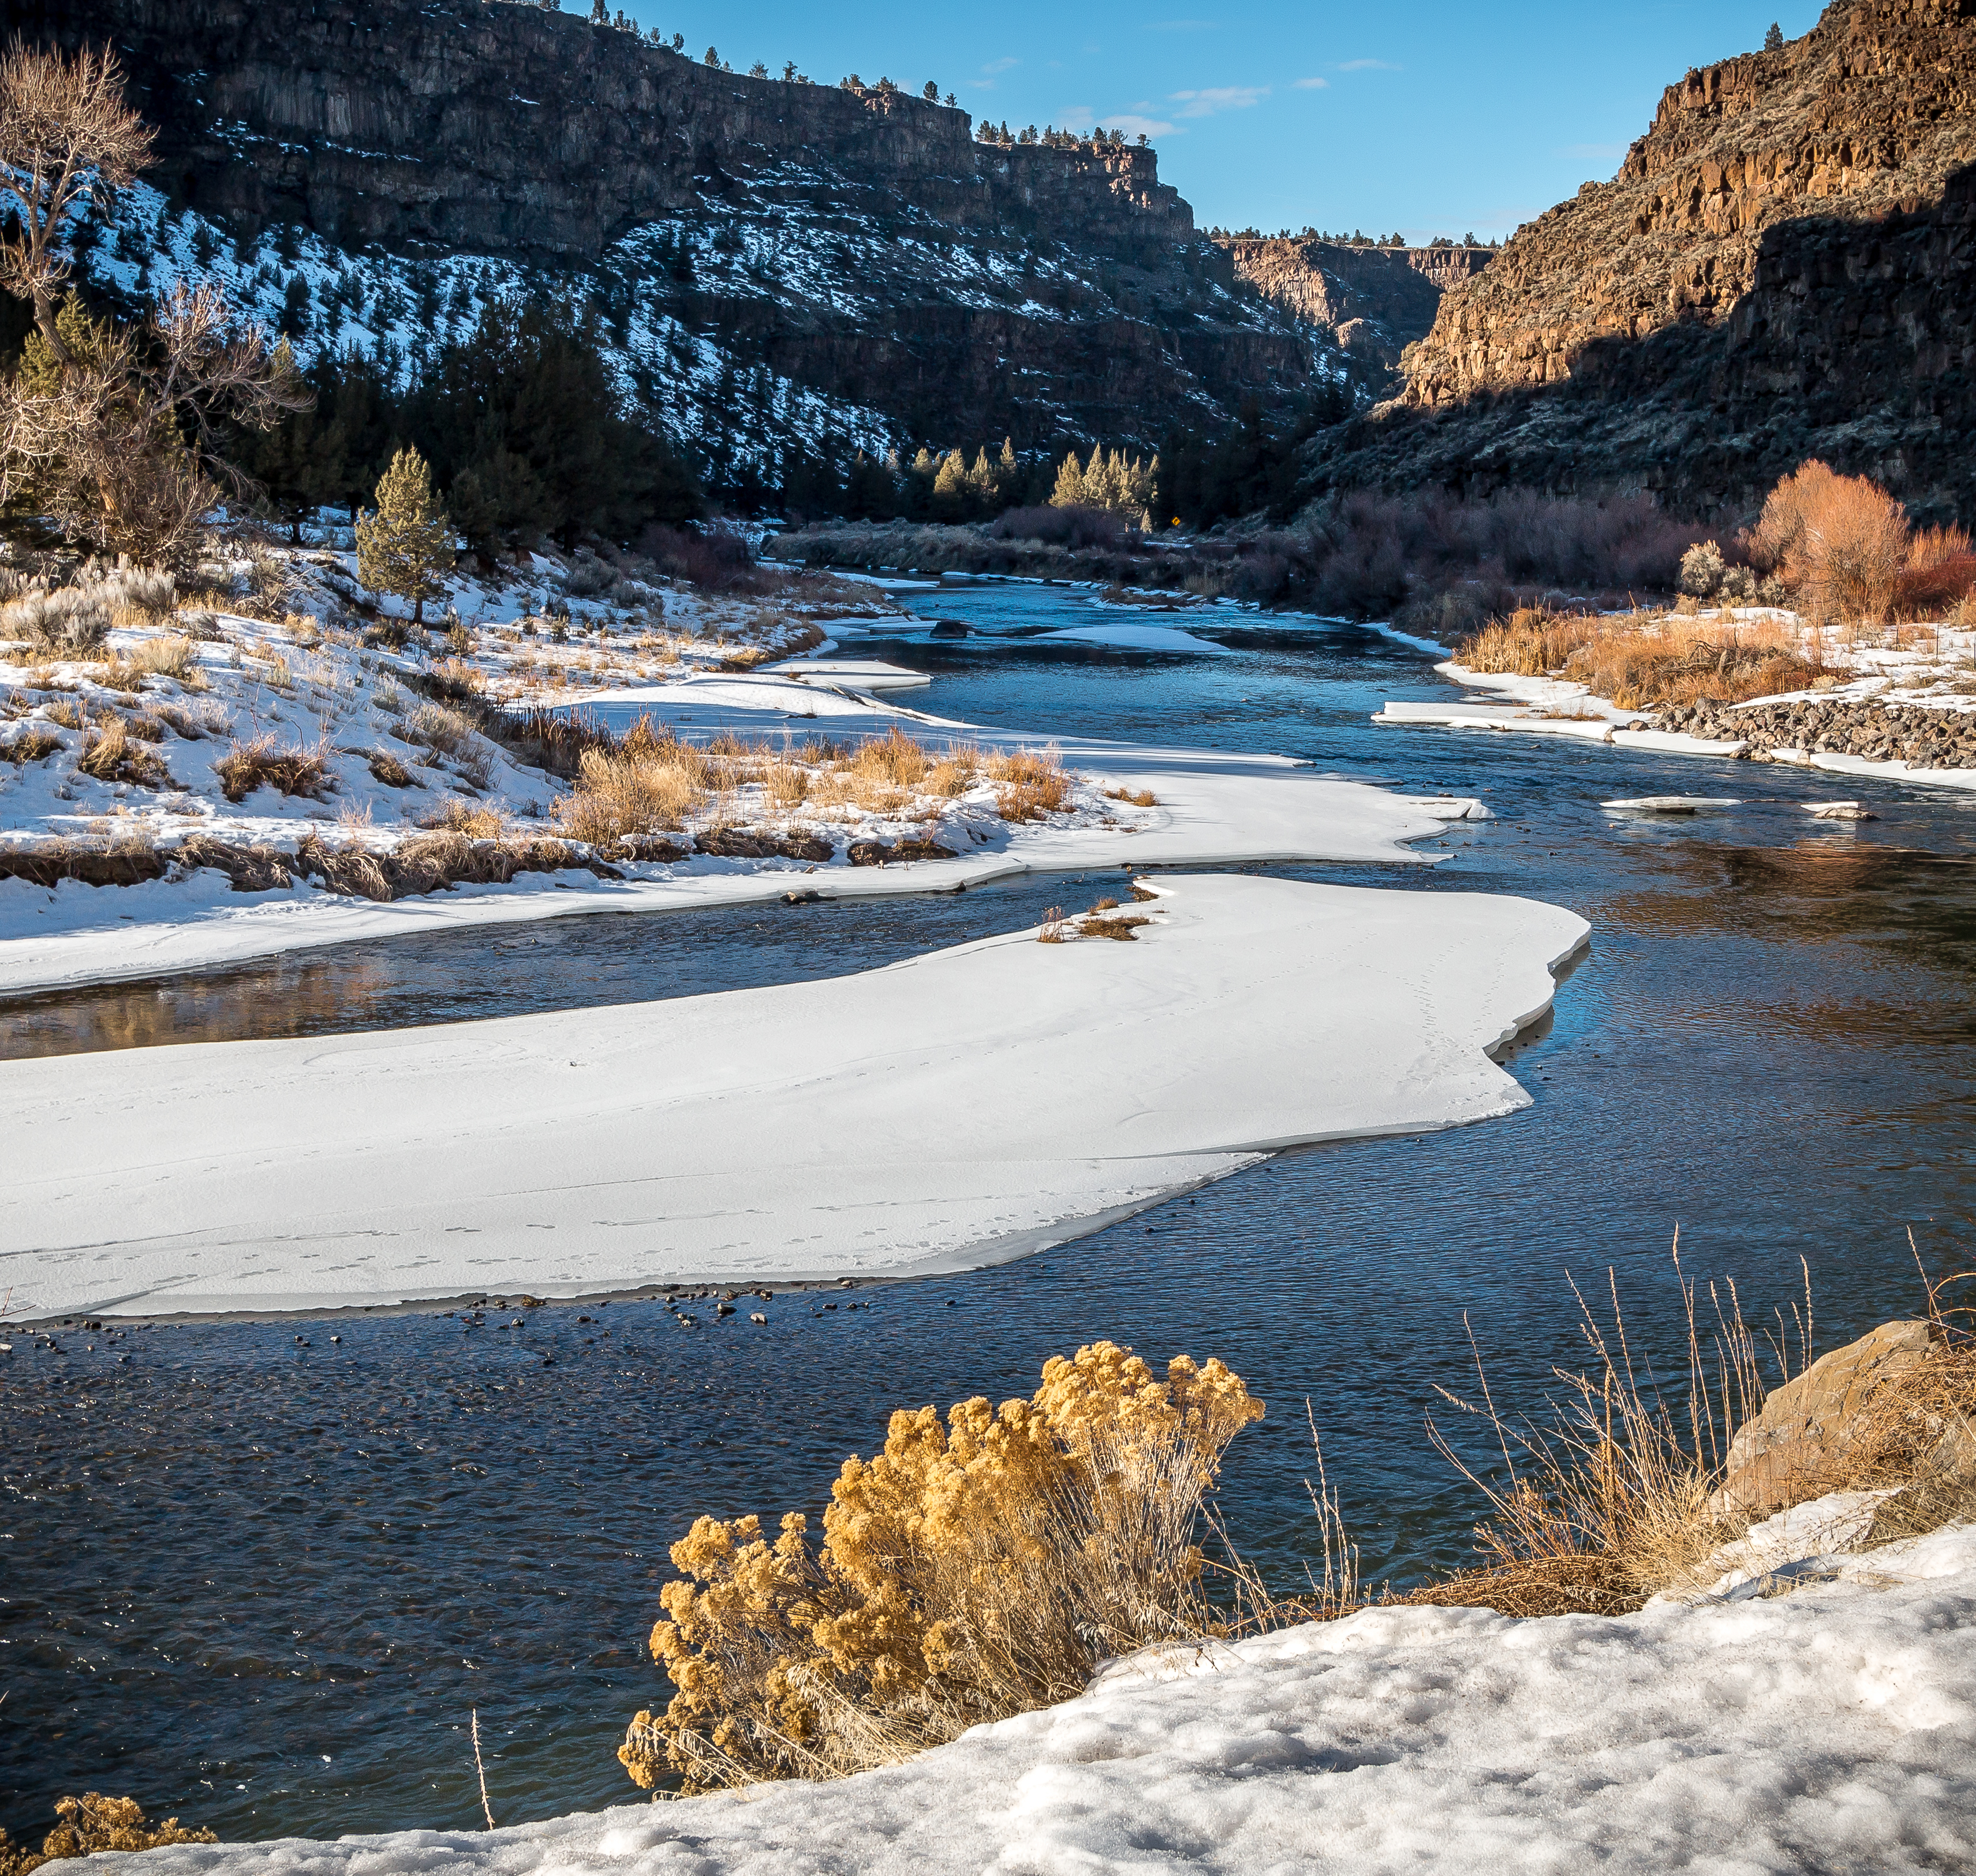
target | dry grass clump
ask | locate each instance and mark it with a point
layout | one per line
(29, 745)
(647, 783)
(1094, 925)
(475, 820)
(1640, 659)
(1033, 783)
(1050, 932)
(93, 1822)
(971, 1571)
(1143, 798)
(386, 767)
(116, 752)
(297, 771)
(168, 656)
(1615, 1499)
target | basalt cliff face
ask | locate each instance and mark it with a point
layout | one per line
(1370, 302)
(1782, 267)
(772, 258)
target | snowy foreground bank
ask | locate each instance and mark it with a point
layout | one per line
(1831, 1729)
(943, 1113)
(1210, 808)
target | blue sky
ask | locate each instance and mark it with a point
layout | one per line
(1418, 115)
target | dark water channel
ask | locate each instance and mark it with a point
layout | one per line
(263, 1584)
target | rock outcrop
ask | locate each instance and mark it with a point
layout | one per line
(1370, 302)
(1783, 267)
(1846, 1416)
(850, 251)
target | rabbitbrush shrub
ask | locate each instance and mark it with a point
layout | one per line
(971, 1572)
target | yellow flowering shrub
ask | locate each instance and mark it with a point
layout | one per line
(972, 1570)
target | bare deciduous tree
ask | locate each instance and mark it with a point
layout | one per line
(65, 131)
(118, 440)
(114, 432)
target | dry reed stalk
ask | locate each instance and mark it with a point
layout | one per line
(480, 1772)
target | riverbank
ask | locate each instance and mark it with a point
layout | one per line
(1897, 715)
(1835, 1724)
(946, 1112)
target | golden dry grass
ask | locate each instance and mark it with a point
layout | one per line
(476, 820)
(167, 656)
(649, 781)
(1643, 659)
(295, 771)
(113, 754)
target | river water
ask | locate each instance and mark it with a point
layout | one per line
(264, 1581)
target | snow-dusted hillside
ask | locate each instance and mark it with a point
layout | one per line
(771, 261)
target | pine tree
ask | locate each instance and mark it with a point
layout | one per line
(949, 484)
(408, 539)
(1773, 39)
(1069, 491)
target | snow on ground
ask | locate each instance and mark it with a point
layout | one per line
(944, 1113)
(1832, 1728)
(1210, 806)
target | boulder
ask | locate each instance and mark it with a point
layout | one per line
(1799, 1447)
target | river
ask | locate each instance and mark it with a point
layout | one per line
(263, 1584)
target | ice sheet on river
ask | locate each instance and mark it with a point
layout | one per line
(1834, 1729)
(942, 1112)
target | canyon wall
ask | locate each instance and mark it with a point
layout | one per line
(1781, 268)
(890, 275)
(1370, 302)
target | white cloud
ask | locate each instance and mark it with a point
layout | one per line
(1205, 103)
(999, 64)
(1311, 84)
(1134, 125)
(1366, 64)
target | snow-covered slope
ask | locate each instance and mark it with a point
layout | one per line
(1830, 1730)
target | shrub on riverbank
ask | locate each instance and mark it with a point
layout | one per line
(971, 1571)
(1642, 660)
(92, 1823)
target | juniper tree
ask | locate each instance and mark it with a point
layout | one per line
(407, 540)
(1773, 39)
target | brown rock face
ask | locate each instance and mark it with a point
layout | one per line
(1870, 113)
(1370, 302)
(1796, 1448)
(856, 244)
(1784, 267)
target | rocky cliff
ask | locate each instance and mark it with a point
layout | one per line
(1371, 303)
(1782, 268)
(770, 257)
